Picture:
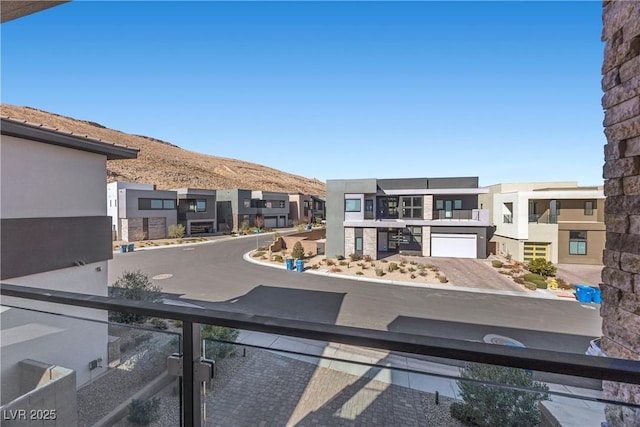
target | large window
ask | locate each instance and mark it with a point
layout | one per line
(156, 204)
(412, 207)
(199, 205)
(352, 205)
(577, 242)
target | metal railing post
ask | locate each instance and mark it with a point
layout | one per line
(191, 390)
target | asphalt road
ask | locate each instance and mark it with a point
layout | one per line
(216, 276)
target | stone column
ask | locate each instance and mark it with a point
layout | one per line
(349, 241)
(620, 309)
(370, 242)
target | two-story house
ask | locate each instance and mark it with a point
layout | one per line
(197, 210)
(141, 211)
(238, 208)
(305, 208)
(559, 221)
(415, 216)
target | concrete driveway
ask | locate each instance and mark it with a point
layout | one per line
(580, 274)
(474, 273)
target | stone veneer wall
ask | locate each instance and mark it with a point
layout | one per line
(349, 241)
(620, 308)
(370, 244)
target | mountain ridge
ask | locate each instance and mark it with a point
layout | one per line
(169, 166)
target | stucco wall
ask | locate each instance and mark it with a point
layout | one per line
(621, 275)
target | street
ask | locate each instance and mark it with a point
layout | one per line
(215, 275)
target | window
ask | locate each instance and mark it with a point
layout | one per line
(588, 207)
(352, 205)
(457, 204)
(439, 204)
(358, 243)
(577, 242)
(247, 203)
(282, 203)
(199, 205)
(156, 204)
(159, 204)
(306, 204)
(168, 204)
(412, 207)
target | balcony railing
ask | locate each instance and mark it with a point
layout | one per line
(468, 214)
(310, 372)
(543, 218)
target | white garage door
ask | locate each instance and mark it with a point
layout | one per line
(271, 221)
(454, 245)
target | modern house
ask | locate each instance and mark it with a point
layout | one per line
(237, 208)
(416, 216)
(559, 221)
(197, 210)
(142, 211)
(304, 208)
(55, 235)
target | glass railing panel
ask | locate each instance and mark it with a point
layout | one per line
(86, 371)
(276, 380)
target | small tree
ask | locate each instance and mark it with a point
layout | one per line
(489, 405)
(134, 286)
(298, 251)
(542, 267)
(213, 348)
(176, 231)
(143, 412)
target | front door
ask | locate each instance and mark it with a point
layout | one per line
(448, 208)
(382, 241)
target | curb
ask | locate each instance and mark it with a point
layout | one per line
(539, 293)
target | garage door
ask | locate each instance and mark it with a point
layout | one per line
(271, 221)
(535, 250)
(454, 245)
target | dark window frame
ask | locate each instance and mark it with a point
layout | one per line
(588, 211)
(575, 241)
(358, 203)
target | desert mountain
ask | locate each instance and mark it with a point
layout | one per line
(169, 166)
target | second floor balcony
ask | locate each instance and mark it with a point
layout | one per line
(545, 218)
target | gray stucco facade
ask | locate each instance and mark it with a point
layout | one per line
(239, 207)
(197, 210)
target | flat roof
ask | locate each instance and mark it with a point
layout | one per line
(40, 133)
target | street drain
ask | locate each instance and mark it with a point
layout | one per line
(162, 276)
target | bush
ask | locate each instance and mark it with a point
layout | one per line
(359, 273)
(379, 272)
(530, 286)
(354, 257)
(219, 350)
(562, 284)
(343, 263)
(486, 405)
(413, 276)
(519, 280)
(335, 270)
(176, 231)
(537, 279)
(330, 262)
(258, 254)
(392, 267)
(542, 267)
(315, 267)
(497, 264)
(278, 258)
(298, 251)
(339, 257)
(443, 279)
(143, 412)
(368, 258)
(159, 323)
(134, 286)
(541, 285)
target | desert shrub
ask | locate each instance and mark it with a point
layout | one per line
(354, 257)
(413, 276)
(261, 248)
(562, 284)
(530, 286)
(339, 257)
(497, 264)
(298, 251)
(315, 267)
(402, 270)
(133, 285)
(542, 267)
(359, 273)
(360, 264)
(335, 270)
(519, 280)
(379, 272)
(258, 254)
(411, 269)
(214, 349)
(368, 258)
(488, 405)
(330, 262)
(176, 231)
(535, 278)
(278, 258)
(392, 267)
(541, 285)
(143, 411)
(343, 263)
(158, 323)
(423, 273)
(443, 279)
(413, 262)
(384, 260)
(421, 267)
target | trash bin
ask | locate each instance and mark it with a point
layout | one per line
(596, 296)
(131, 247)
(584, 293)
(123, 249)
(289, 263)
(299, 265)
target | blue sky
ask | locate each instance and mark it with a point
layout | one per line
(505, 91)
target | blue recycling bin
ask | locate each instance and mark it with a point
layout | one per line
(131, 247)
(289, 263)
(299, 265)
(596, 296)
(123, 249)
(584, 293)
